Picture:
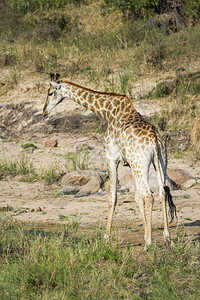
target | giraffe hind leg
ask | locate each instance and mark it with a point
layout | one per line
(163, 196)
(145, 201)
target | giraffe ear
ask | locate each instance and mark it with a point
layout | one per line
(57, 76)
(52, 76)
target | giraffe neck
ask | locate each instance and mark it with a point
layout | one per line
(106, 105)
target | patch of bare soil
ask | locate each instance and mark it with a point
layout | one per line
(39, 203)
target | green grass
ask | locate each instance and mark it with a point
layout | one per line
(78, 160)
(28, 146)
(71, 265)
(63, 218)
(22, 165)
(52, 174)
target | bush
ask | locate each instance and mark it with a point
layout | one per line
(145, 9)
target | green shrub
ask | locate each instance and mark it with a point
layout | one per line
(145, 9)
(140, 9)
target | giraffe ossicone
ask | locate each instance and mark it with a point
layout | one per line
(129, 138)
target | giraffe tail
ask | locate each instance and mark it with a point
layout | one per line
(172, 207)
(161, 167)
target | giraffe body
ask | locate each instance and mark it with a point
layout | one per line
(128, 138)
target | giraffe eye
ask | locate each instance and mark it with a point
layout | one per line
(50, 94)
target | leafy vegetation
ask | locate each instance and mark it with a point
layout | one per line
(67, 264)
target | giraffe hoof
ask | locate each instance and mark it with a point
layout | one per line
(147, 246)
(167, 238)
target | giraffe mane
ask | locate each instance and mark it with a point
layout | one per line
(90, 90)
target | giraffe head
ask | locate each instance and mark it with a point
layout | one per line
(55, 95)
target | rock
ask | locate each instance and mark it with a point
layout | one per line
(179, 176)
(127, 182)
(75, 178)
(69, 190)
(86, 182)
(50, 143)
(126, 179)
(92, 187)
(82, 182)
(188, 184)
(102, 193)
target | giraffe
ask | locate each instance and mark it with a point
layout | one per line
(129, 138)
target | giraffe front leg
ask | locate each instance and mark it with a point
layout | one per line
(140, 202)
(112, 201)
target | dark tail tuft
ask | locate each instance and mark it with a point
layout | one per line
(172, 207)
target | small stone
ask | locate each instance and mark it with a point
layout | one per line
(82, 194)
(50, 143)
(123, 189)
(84, 224)
(190, 183)
(30, 151)
(102, 193)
